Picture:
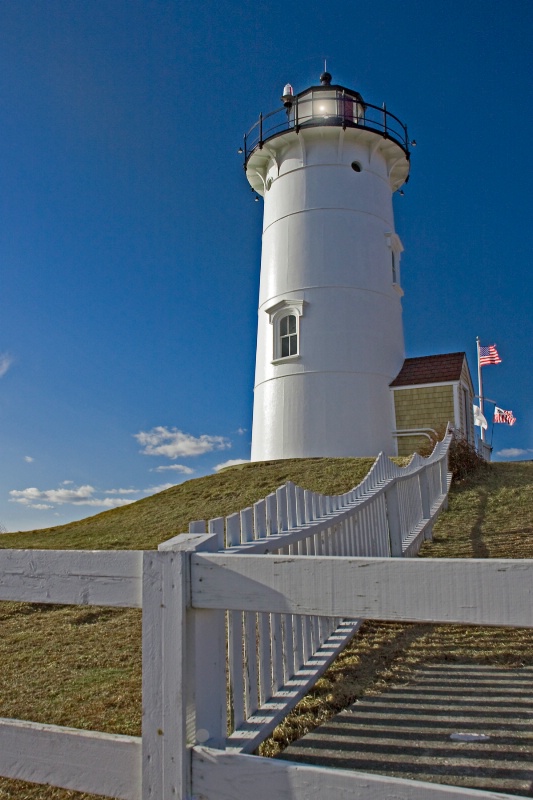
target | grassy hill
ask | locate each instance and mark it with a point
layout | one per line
(81, 666)
(146, 523)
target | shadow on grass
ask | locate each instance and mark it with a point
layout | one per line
(479, 546)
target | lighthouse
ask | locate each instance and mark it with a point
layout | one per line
(330, 333)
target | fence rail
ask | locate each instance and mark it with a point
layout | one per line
(274, 592)
(219, 775)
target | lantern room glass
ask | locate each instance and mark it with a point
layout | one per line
(322, 105)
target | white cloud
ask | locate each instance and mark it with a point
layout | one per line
(241, 431)
(176, 467)
(29, 459)
(233, 462)
(69, 494)
(78, 496)
(512, 452)
(5, 362)
(171, 442)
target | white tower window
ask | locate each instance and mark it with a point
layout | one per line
(395, 276)
(285, 320)
(288, 336)
(396, 248)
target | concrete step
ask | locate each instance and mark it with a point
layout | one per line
(458, 724)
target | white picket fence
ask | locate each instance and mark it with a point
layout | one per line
(274, 659)
(283, 581)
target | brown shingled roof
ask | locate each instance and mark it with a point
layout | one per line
(430, 369)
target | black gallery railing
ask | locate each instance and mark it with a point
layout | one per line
(325, 107)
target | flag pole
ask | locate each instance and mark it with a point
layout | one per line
(480, 387)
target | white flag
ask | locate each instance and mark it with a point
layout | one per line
(479, 419)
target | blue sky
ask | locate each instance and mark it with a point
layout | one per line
(130, 241)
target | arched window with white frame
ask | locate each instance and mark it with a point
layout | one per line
(285, 320)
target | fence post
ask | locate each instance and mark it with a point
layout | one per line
(424, 497)
(207, 716)
(210, 660)
(394, 520)
(444, 479)
(171, 633)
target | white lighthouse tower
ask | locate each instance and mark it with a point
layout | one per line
(330, 334)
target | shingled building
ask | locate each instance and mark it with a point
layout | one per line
(429, 392)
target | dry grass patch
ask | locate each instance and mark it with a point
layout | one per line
(20, 790)
(81, 666)
(69, 665)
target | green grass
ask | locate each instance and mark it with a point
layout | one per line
(145, 524)
(490, 516)
(81, 666)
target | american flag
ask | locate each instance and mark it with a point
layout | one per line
(488, 355)
(504, 416)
